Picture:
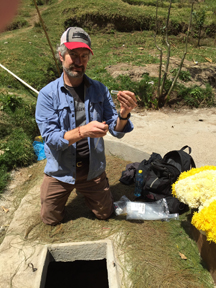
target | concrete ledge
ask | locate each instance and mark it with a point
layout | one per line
(69, 252)
(125, 151)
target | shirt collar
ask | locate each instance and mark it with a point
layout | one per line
(86, 79)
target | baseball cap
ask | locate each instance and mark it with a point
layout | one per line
(76, 37)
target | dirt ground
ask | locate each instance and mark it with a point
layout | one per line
(201, 73)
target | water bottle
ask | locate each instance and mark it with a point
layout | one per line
(138, 184)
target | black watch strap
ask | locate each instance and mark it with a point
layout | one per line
(121, 118)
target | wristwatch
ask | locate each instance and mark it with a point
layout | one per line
(121, 118)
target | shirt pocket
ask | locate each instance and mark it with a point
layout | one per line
(64, 114)
(96, 111)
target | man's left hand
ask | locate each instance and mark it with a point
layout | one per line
(127, 101)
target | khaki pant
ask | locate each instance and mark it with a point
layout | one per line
(54, 195)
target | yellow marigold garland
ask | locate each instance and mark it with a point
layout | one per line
(196, 186)
(205, 219)
(189, 173)
(199, 192)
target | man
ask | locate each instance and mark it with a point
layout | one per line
(73, 114)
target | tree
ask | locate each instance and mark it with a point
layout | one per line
(162, 95)
(199, 17)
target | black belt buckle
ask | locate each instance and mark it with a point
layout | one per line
(79, 164)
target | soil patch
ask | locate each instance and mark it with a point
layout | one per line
(201, 73)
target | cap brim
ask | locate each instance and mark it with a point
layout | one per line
(75, 45)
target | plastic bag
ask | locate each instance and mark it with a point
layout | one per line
(157, 210)
(39, 150)
(121, 205)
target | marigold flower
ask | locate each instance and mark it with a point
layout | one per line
(205, 219)
(195, 186)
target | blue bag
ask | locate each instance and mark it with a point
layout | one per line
(39, 150)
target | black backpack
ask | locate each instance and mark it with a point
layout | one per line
(162, 173)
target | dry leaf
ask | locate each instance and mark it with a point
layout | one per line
(182, 256)
(57, 230)
(208, 59)
(5, 209)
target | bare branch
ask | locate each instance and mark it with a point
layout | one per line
(168, 51)
(161, 54)
(183, 58)
(160, 67)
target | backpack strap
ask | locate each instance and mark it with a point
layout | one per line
(192, 161)
(186, 146)
(180, 159)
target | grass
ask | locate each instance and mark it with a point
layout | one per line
(17, 131)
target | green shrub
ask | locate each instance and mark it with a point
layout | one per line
(147, 3)
(42, 2)
(143, 89)
(17, 24)
(4, 177)
(17, 131)
(18, 150)
(10, 101)
(183, 75)
(25, 118)
(197, 97)
(5, 129)
(21, 114)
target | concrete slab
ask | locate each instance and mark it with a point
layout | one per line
(15, 251)
(91, 250)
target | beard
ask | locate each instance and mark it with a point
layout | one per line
(75, 74)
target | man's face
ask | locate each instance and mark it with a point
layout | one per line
(75, 62)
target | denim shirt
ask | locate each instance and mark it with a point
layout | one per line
(55, 114)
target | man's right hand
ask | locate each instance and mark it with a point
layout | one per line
(94, 129)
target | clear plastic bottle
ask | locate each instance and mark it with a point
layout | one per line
(138, 184)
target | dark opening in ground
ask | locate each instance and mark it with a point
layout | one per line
(79, 274)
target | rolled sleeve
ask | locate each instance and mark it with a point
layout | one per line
(128, 128)
(48, 122)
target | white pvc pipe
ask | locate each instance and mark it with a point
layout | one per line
(19, 79)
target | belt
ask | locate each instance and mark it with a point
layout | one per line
(79, 164)
(82, 162)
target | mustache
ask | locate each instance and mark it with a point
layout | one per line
(76, 66)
